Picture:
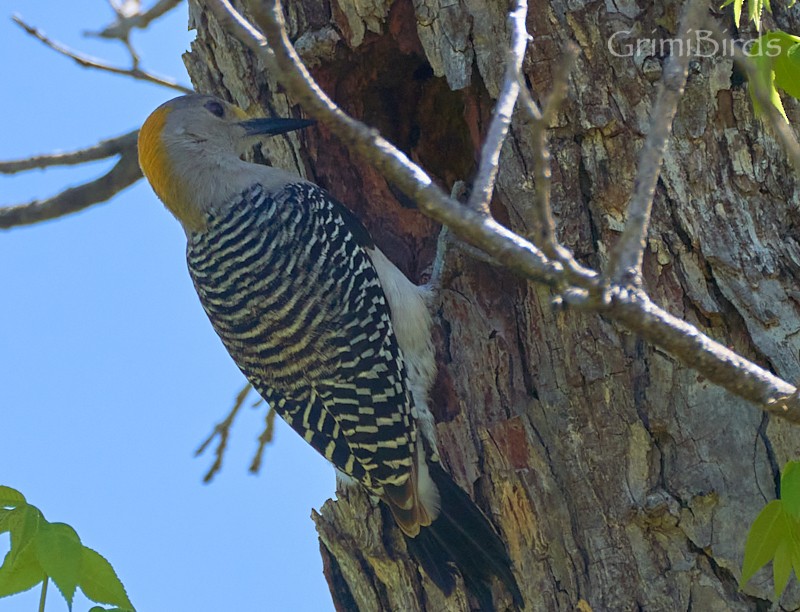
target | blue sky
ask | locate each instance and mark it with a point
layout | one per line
(110, 374)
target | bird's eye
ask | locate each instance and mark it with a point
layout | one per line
(215, 108)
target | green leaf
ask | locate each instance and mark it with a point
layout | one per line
(5, 521)
(790, 489)
(778, 54)
(766, 533)
(23, 524)
(99, 581)
(755, 8)
(782, 566)
(796, 555)
(787, 65)
(763, 52)
(21, 573)
(737, 11)
(59, 550)
(10, 497)
(754, 12)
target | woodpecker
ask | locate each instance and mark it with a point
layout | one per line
(330, 333)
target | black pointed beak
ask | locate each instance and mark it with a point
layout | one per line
(273, 126)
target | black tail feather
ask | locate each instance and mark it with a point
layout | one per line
(463, 536)
(426, 549)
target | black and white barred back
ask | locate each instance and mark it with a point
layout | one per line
(303, 314)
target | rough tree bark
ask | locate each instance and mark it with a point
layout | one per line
(619, 478)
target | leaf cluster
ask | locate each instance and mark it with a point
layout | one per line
(754, 10)
(776, 54)
(42, 551)
(775, 534)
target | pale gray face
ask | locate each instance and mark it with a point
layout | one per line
(206, 123)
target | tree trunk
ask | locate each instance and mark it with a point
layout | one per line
(618, 478)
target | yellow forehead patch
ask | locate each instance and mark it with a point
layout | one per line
(242, 115)
(155, 163)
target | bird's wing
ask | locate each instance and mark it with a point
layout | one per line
(290, 289)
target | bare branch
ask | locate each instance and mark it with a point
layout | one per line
(90, 62)
(124, 173)
(625, 265)
(129, 17)
(103, 149)
(545, 236)
(223, 430)
(481, 196)
(519, 255)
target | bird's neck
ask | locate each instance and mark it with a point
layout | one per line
(211, 182)
(190, 180)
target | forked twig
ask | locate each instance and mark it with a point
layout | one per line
(90, 62)
(223, 430)
(124, 173)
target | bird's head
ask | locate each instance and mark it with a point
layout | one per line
(190, 146)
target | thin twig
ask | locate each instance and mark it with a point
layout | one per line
(223, 430)
(540, 120)
(90, 62)
(625, 265)
(782, 130)
(264, 439)
(517, 254)
(103, 149)
(121, 29)
(124, 173)
(483, 186)
(540, 123)
(129, 16)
